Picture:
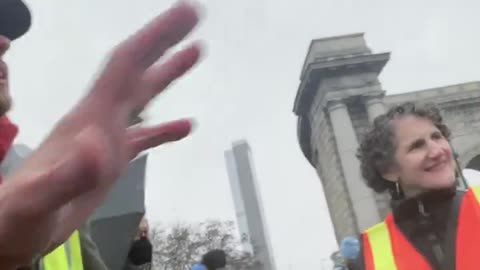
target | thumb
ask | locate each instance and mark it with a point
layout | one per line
(73, 174)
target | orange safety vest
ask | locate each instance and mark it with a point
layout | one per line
(386, 248)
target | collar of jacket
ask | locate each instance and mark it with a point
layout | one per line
(422, 205)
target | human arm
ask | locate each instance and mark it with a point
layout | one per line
(69, 175)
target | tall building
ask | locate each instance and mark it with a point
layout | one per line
(248, 204)
(338, 97)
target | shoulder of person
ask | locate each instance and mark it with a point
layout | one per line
(90, 254)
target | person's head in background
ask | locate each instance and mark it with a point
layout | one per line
(143, 229)
(141, 251)
(15, 20)
(214, 259)
(408, 152)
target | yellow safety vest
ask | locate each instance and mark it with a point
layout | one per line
(386, 248)
(68, 256)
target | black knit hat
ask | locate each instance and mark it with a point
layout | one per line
(15, 18)
(214, 259)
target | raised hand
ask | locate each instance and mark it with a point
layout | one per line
(72, 171)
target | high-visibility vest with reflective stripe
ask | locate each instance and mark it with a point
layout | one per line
(386, 248)
(68, 256)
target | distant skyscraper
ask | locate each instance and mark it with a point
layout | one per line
(248, 204)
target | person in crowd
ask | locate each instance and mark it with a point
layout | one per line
(141, 251)
(14, 25)
(44, 204)
(212, 260)
(433, 224)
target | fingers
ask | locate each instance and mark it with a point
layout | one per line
(151, 42)
(140, 139)
(137, 53)
(158, 77)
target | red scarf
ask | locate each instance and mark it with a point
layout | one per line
(8, 132)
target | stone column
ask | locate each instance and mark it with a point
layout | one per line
(375, 106)
(363, 202)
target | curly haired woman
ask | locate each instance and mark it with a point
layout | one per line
(433, 225)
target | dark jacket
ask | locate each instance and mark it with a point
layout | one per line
(140, 255)
(429, 223)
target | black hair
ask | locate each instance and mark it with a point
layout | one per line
(214, 259)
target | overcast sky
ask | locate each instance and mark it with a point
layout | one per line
(243, 89)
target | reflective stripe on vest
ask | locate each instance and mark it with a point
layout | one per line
(65, 257)
(386, 248)
(377, 241)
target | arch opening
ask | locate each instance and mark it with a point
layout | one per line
(472, 171)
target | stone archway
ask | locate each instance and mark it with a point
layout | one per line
(338, 96)
(467, 157)
(474, 163)
(472, 171)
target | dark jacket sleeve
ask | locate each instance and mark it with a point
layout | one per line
(90, 253)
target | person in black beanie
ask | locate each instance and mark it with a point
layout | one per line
(140, 254)
(214, 259)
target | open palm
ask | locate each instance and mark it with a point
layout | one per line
(72, 171)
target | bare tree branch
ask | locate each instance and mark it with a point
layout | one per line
(180, 246)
